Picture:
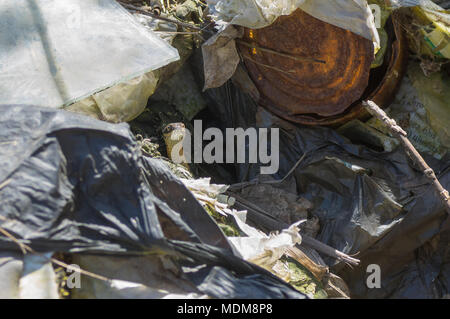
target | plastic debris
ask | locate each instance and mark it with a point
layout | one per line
(258, 14)
(112, 201)
(366, 200)
(420, 107)
(92, 209)
(55, 53)
(27, 277)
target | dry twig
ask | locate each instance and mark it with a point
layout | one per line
(397, 131)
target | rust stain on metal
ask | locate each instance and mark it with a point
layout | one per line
(292, 87)
(382, 94)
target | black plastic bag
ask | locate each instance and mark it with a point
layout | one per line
(374, 204)
(75, 184)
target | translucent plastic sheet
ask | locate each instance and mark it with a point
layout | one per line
(53, 53)
(355, 16)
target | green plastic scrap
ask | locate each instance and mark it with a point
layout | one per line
(302, 279)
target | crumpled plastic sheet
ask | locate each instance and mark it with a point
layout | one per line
(121, 103)
(220, 54)
(27, 277)
(182, 91)
(70, 183)
(355, 16)
(54, 53)
(412, 3)
(377, 204)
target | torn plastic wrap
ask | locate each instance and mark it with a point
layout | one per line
(278, 252)
(434, 30)
(368, 202)
(54, 53)
(355, 16)
(80, 185)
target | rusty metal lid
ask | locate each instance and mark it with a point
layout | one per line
(302, 65)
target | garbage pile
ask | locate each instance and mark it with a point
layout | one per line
(103, 193)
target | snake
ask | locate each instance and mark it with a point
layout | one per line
(173, 134)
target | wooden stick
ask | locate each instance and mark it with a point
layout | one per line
(261, 217)
(397, 131)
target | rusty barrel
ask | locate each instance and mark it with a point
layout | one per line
(310, 72)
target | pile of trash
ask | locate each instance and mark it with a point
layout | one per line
(103, 196)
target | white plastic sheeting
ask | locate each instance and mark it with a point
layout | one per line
(252, 13)
(54, 53)
(354, 15)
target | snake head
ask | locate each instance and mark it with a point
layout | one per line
(170, 128)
